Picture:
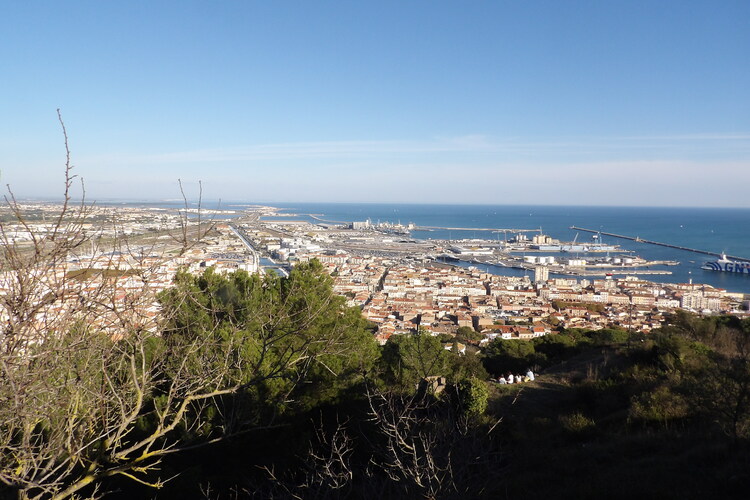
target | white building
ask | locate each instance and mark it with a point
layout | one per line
(541, 274)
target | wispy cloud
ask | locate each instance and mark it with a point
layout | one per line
(688, 137)
(249, 153)
(620, 182)
(303, 150)
(469, 145)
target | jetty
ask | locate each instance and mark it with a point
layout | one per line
(651, 242)
(320, 219)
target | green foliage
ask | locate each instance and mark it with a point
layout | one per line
(609, 336)
(444, 338)
(272, 335)
(473, 396)
(465, 333)
(673, 406)
(580, 335)
(406, 359)
(552, 320)
(660, 405)
(555, 347)
(671, 350)
(712, 358)
(501, 356)
(462, 367)
(577, 423)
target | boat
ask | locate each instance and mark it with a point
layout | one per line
(727, 266)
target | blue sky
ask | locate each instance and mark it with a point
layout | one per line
(532, 102)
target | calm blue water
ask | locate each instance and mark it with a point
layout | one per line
(711, 229)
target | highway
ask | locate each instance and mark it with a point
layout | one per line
(254, 252)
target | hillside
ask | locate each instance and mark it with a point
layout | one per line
(608, 423)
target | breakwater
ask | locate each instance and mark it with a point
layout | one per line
(651, 242)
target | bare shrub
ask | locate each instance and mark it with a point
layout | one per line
(91, 387)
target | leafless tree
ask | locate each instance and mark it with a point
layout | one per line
(409, 454)
(418, 447)
(89, 387)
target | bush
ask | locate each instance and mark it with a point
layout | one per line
(609, 336)
(556, 347)
(466, 334)
(577, 423)
(501, 356)
(473, 396)
(660, 405)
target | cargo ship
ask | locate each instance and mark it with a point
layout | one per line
(727, 266)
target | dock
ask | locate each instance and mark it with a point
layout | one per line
(559, 269)
(487, 229)
(651, 242)
(436, 228)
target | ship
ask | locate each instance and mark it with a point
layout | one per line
(727, 266)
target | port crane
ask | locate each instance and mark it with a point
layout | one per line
(506, 231)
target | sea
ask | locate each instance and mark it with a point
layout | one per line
(711, 229)
(718, 230)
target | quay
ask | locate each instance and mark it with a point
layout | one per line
(669, 245)
(583, 272)
(487, 229)
(436, 228)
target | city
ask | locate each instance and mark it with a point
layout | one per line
(398, 282)
(348, 250)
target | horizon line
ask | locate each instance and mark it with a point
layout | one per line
(267, 203)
